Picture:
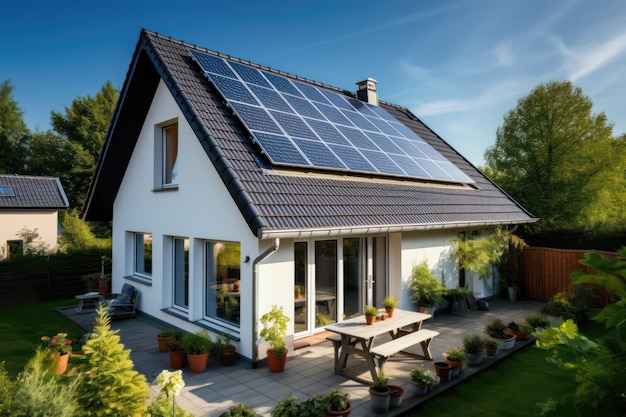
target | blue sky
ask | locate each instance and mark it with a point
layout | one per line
(458, 65)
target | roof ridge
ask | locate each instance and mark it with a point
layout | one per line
(266, 68)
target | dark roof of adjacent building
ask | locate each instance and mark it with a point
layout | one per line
(276, 202)
(29, 192)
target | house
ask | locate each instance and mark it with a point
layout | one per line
(233, 187)
(29, 207)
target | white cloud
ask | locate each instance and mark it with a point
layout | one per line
(590, 59)
(503, 54)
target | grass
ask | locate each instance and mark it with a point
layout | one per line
(512, 387)
(22, 326)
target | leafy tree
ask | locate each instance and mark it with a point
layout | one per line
(84, 125)
(14, 135)
(111, 385)
(599, 362)
(76, 234)
(551, 150)
(86, 122)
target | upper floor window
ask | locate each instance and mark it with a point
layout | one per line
(169, 155)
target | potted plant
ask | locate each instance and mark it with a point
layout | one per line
(239, 410)
(59, 347)
(390, 304)
(496, 329)
(395, 398)
(370, 314)
(380, 393)
(163, 338)
(288, 407)
(457, 298)
(512, 328)
(425, 289)
(474, 346)
(524, 330)
(104, 284)
(491, 347)
(91, 282)
(197, 347)
(422, 380)
(176, 349)
(455, 358)
(274, 331)
(536, 321)
(336, 403)
(443, 371)
(224, 350)
(560, 306)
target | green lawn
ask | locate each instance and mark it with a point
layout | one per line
(512, 387)
(23, 325)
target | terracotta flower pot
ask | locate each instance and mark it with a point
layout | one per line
(370, 319)
(227, 357)
(330, 413)
(178, 359)
(397, 392)
(275, 362)
(197, 363)
(443, 371)
(162, 341)
(60, 362)
(389, 312)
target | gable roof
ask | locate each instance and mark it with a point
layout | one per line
(285, 203)
(29, 192)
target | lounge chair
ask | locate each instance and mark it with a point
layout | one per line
(124, 303)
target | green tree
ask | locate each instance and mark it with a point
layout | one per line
(84, 125)
(111, 387)
(14, 135)
(599, 361)
(551, 150)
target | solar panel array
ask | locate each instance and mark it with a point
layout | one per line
(298, 124)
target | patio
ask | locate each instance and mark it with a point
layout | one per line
(310, 371)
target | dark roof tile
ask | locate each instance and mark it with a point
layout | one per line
(275, 200)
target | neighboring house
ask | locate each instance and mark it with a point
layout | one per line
(233, 187)
(29, 204)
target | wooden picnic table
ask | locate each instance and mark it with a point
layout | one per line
(357, 337)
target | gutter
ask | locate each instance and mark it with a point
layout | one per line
(255, 298)
(374, 229)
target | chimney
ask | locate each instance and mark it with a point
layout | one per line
(367, 91)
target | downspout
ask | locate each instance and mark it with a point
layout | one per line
(255, 298)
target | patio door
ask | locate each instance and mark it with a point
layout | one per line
(337, 278)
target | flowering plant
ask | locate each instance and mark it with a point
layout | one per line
(456, 355)
(422, 375)
(59, 343)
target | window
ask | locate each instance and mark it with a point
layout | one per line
(181, 272)
(222, 284)
(143, 254)
(169, 152)
(6, 191)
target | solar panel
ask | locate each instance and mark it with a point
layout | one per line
(302, 125)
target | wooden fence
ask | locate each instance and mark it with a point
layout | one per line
(546, 271)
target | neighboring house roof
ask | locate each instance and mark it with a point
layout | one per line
(276, 202)
(29, 192)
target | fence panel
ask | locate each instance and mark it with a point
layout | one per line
(546, 271)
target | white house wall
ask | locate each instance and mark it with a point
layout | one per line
(435, 248)
(13, 221)
(200, 209)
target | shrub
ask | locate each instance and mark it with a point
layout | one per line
(473, 344)
(425, 289)
(496, 328)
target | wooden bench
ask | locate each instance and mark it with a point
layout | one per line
(335, 339)
(383, 352)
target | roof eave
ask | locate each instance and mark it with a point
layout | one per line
(377, 229)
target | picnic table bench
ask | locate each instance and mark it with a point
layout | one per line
(398, 345)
